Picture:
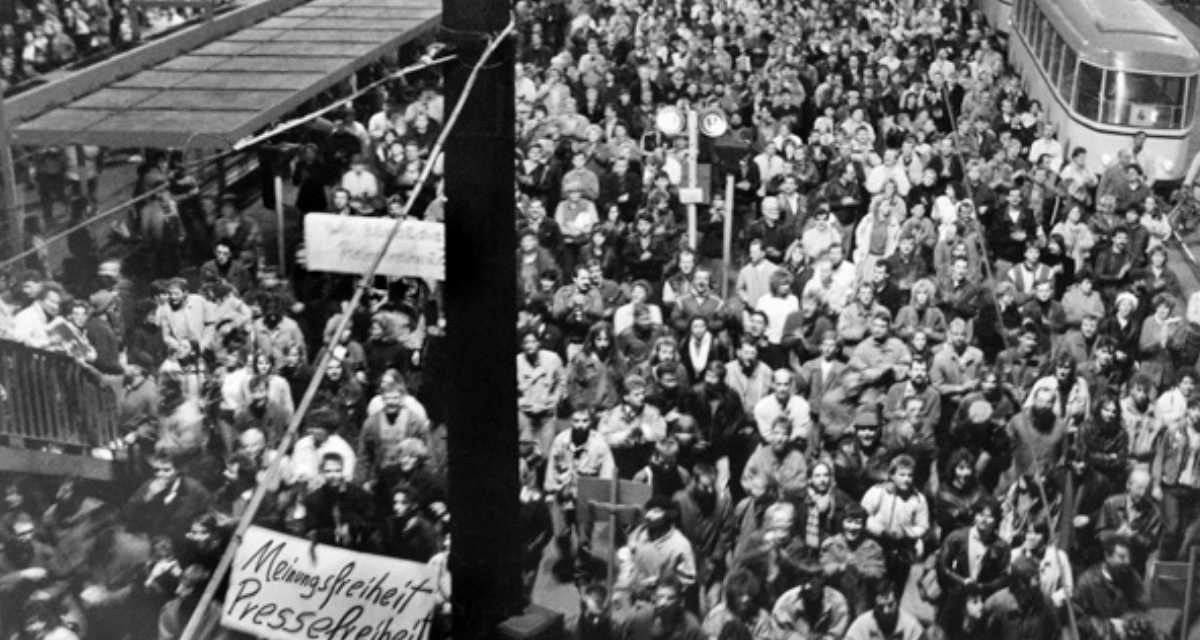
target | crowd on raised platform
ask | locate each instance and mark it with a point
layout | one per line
(947, 386)
(38, 36)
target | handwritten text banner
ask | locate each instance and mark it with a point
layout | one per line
(280, 592)
(347, 244)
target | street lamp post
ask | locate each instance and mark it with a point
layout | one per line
(672, 121)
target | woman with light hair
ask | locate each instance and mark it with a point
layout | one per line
(921, 314)
(878, 234)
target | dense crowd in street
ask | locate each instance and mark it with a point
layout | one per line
(948, 364)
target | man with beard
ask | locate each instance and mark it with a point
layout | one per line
(974, 555)
(838, 410)
(379, 441)
(1176, 481)
(721, 424)
(656, 548)
(26, 565)
(668, 619)
(187, 317)
(663, 473)
(1110, 593)
(262, 413)
(748, 376)
(706, 519)
(1038, 437)
(784, 404)
(274, 332)
(917, 386)
(339, 512)
(1139, 420)
(701, 302)
(813, 609)
(1072, 398)
(885, 619)
(1135, 515)
(956, 372)
(632, 428)
(576, 452)
(580, 297)
(344, 395)
(167, 503)
(1021, 611)
(883, 359)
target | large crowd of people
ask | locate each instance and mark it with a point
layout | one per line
(949, 365)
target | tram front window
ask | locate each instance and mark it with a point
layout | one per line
(1087, 91)
(1145, 100)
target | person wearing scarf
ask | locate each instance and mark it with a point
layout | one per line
(822, 509)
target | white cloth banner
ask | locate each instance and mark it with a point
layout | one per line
(279, 591)
(348, 244)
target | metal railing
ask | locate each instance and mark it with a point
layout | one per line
(48, 397)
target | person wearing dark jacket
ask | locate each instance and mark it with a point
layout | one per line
(975, 554)
(338, 513)
(406, 534)
(167, 503)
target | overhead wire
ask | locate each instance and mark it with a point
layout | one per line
(273, 472)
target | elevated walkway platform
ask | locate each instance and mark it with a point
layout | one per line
(229, 87)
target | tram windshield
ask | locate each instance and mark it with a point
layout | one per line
(1145, 100)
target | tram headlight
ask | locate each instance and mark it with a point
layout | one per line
(1167, 166)
(1106, 160)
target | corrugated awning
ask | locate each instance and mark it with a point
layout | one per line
(232, 87)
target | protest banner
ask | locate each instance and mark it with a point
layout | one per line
(348, 244)
(282, 589)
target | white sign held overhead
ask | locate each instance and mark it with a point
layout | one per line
(348, 244)
(281, 589)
